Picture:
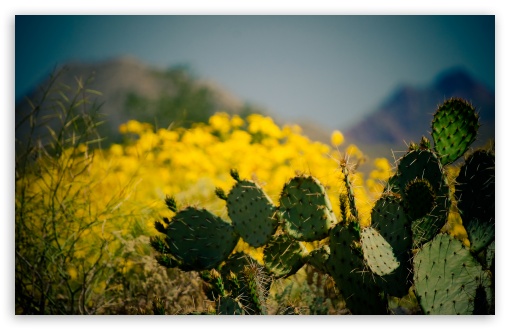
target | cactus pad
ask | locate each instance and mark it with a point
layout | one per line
(389, 218)
(475, 192)
(199, 240)
(446, 277)
(345, 265)
(377, 252)
(424, 165)
(420, 198)
(306, 209)
(253, 215)
(480, 234)
(454, 128)
(318, 258)
(283, 256)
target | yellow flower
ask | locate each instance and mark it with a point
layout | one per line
(220, 122)
(337, 138)
(353, 151)
(116, 150)
(236, 121)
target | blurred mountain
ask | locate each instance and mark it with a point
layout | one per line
(128, 90)
(407, 114)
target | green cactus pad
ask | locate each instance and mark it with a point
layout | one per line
(484, 298)
(424, 165)
(355, 283)
(318, 258)
(284, 256)
(377, 252)
(420, 198)
(475, 192)
(230, 306)
(390, 219)
(480, 234)
(306, 209)
(446, 277)
(454, 128)
(393, 184)
(199, 240)
(252, 212)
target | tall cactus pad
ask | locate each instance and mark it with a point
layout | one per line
(446, 277)
(424, 165)
(306, 209)
(475, 192)
(283, 256)
(199, 240)
(252, 213)
(377, 252)
(475, 188)
(354, 282)
(389, 218)
(454, 128)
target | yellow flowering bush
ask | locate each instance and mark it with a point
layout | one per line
(190, 164)
(107, 197)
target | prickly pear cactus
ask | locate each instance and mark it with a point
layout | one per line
(390, 219)
(230, 306)
(423, 164)
(248, 280)
(349, 191)
(318, 258)
(306, 209)
(421, 198)
(252, 212)
(475, 193)
(446, 277)
(345, 265)
(284, 256)
(454, 128)
(377, 252)
(195, 240)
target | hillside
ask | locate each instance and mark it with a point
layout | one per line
(130, 89)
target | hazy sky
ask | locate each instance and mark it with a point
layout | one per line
(331, 69)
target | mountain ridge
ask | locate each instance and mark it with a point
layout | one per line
(406, 114)
(129, 89)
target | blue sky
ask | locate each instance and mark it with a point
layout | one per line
(329, 69)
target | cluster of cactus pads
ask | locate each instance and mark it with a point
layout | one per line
(405, 252)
